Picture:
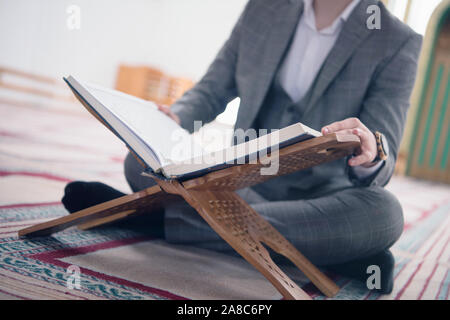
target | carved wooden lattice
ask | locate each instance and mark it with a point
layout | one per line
(246, 231)
(294, 158)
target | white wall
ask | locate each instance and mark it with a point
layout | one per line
(179, 36)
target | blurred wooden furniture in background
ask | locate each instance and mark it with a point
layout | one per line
(425, 151)
(151, 84)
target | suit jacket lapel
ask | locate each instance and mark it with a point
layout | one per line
(282, 29)
(351, 36)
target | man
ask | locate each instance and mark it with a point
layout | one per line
(320, 63)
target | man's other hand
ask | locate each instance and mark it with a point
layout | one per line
(166, 110)
(366, 154)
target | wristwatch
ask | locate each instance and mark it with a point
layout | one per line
(382, 147)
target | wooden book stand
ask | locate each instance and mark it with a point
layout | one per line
(213, 196)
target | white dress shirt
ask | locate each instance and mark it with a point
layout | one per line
(309, 49)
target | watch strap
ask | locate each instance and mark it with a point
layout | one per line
(381, 154)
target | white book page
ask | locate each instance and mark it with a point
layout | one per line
(162, 134)
(162, 143)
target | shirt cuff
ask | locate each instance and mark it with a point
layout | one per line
(362, 173)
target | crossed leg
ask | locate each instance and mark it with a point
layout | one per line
(347, 229)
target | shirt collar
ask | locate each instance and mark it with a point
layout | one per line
(310, 20)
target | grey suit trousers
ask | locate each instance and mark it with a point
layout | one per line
(332, 228)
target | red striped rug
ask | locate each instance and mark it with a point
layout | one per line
(41, 150)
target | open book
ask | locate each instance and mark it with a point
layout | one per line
(162, 145)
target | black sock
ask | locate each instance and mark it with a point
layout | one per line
(79, 195)
(357, 269)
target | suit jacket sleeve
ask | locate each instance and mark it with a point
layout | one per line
(210, 96)
(386, 104)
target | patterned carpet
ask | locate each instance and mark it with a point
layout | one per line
(41, 149)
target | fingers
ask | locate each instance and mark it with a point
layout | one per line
(364, 157)
(362, 134)
(175, 118)
(349, 123)
(163, 108)
(367, 153)
(166, 110)
(345, 132)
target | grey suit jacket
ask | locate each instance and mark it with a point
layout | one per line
(368, 74)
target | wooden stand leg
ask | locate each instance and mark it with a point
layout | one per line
(267, 234)
(246, 231)
(106, 212)
(101, 221)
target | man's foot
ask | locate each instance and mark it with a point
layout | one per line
(357, 269)
(80, 195)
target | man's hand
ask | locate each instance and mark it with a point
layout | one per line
(169, 113)
(368, 150)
